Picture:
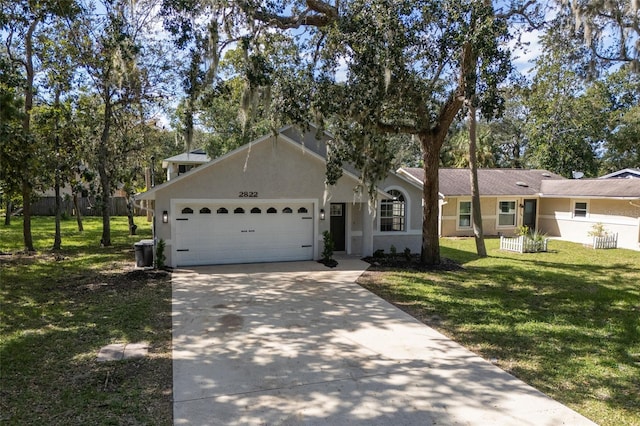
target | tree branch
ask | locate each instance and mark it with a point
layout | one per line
(317, 14)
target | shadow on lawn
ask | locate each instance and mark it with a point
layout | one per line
(572, 331)
(55, 317)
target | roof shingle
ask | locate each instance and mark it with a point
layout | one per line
(457, 182)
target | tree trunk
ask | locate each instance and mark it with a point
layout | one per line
(26, 130)
(7, 215)
(476, 215)
(430, 254)
(78, 214)
(130, 211)
(105, 183)
(57, 239)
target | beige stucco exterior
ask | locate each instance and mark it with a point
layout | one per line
(555, 218)
(489, 207)
(280, 168)
(619, 216)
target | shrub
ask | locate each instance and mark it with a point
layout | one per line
(327, 251)
(522, 231)
(598, 230)
(160, 257)
(407, 254)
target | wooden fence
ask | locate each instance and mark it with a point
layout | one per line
(45, 206)
(606, 241)
(523, 244)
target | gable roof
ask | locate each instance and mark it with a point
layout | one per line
(498, 182)
(592, 188)
(622, 174)
(195, 156)
(282, 134)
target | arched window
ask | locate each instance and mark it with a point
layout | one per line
(303, 210)
(287, 210)
(272, 210)
(392, 212)
(256, 210)
(205, 210)
(187, 210)
(222, 210)
(239, 210)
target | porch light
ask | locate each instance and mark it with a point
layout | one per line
(321, 214)
(165, 217)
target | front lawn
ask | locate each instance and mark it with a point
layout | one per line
(58, 309)
(567, 321)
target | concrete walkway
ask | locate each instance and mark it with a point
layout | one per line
(300, 344)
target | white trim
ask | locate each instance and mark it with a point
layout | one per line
(515, 213)
(407, 210)
(572, 207)
(635, 172)
(465, 228)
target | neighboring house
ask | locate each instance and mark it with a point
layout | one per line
(570, 208)
(509, 198)
(623, 174)
(182, 163)
(267, 201)
(541, 200)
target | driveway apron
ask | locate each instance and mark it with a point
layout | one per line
(301, 344)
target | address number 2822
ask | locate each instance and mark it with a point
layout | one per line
(248, 194)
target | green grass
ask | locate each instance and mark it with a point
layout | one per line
(58, 310)
(567, 321)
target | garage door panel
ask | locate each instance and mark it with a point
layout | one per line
(216, 238)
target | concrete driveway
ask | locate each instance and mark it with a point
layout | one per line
(300, 344)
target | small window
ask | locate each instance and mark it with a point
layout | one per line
(303, 210)
(184, 168)
(256, 210)
(507, 213)
(222, 210)
(205, 210)
(187, 210)
(287, 210)
(392, 212)
(239, 210)
(272, 210)
(580, 209)
(464, 217)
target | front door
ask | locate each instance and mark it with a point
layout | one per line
(529, 215)
(337, 225)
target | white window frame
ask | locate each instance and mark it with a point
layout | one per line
(515, 213)
(573, 209)
(405, 215)
(459, 213)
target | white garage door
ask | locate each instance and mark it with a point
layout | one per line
(214, 233)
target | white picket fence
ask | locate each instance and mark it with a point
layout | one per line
(606, 242)
(523, 244)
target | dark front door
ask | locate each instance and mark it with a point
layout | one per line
(529, 215)
(337, 225)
